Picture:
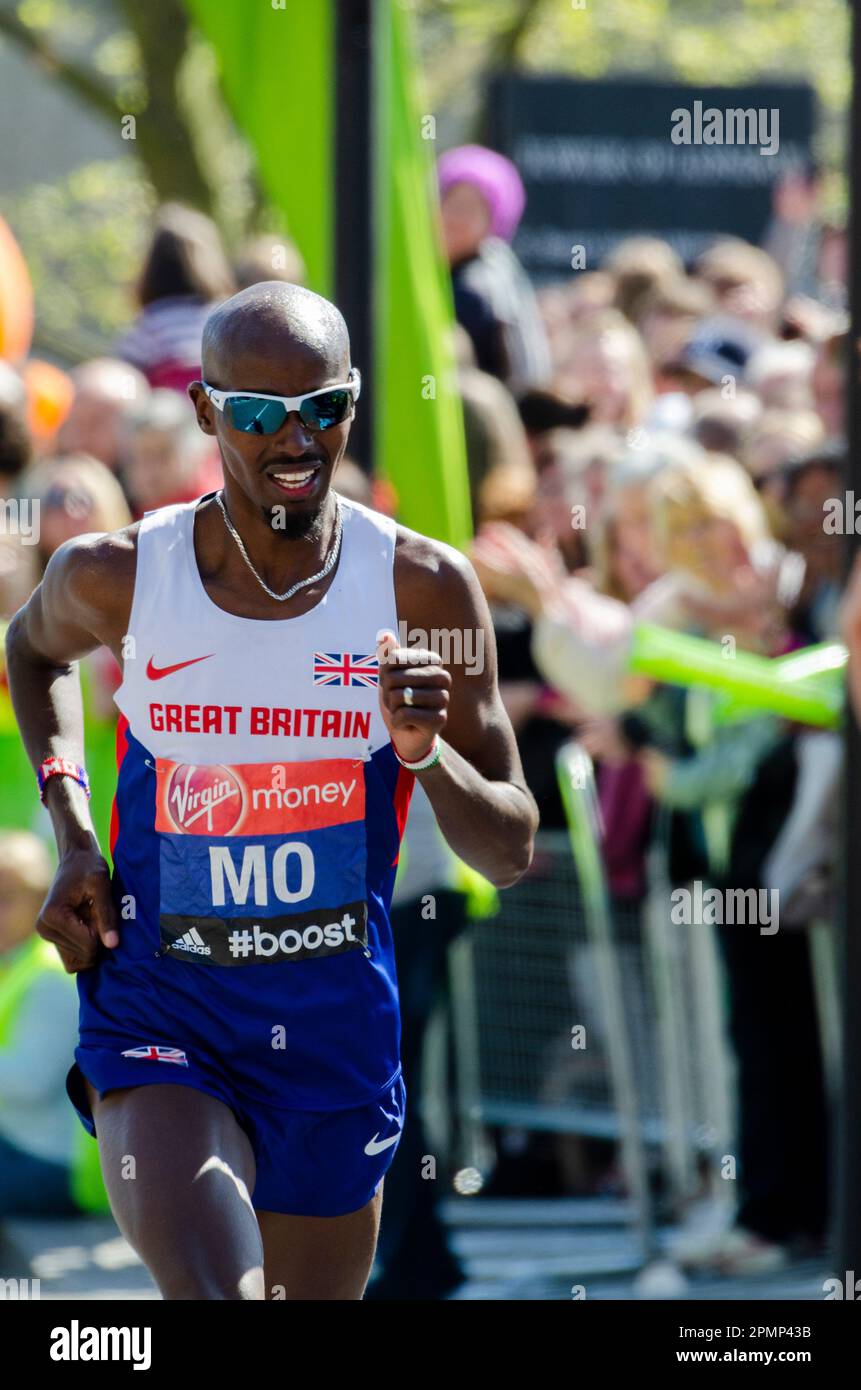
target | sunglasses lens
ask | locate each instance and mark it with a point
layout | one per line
(253, 416)
(322, 412)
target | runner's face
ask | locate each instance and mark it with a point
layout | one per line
(254, 462)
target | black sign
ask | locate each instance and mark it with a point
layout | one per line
(607, 160)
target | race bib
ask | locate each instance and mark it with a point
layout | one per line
(262, 862)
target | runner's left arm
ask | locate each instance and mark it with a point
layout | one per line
(482, 803)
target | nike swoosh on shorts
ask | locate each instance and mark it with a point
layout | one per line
(373, 1147)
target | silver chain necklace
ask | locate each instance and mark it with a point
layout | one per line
(302, 583)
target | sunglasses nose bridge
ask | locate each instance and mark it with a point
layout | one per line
(294, 425)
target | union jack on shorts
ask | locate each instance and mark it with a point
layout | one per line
(345, 668)
(159, 1054)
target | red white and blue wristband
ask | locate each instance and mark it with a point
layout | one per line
(61, 767)
(428, 759)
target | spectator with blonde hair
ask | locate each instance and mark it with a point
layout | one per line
(780, 374)
(586, 297)
(668, 315)
(640, 266)
(745, 280)
(781, 437)
(625, 558)
(709, 522)
(604, 365)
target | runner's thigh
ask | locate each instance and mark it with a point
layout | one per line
(320, 1257)
(184, 1203)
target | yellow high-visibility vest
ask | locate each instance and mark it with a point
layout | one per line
(25, 966)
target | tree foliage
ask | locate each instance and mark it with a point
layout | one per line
(83, 235)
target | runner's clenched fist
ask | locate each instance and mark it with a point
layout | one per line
(414, 694)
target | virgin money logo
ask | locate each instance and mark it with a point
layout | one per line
(204, 799)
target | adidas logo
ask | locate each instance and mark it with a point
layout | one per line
(192, 941)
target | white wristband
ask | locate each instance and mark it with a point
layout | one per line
(432, 757)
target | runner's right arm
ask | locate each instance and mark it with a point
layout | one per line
(76, 608)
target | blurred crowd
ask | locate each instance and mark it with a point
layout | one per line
(656, 443)
(647, 441)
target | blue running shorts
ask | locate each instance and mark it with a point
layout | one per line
(309, 1162)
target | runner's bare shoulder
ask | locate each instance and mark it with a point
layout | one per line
(89, 583)
(436, 586)
(430, 567)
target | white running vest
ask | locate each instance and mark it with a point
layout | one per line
(283, 689)
(257, 826)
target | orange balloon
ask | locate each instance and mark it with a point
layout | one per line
(49, 398)
(16, 299)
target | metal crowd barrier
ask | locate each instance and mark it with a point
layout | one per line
(558, 967)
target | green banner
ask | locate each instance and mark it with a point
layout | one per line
(276, 65)
(278, 72)
(419, 419)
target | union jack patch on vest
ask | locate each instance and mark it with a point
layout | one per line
(345, 668)
(159, 1054)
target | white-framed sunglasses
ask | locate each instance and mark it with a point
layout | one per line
(252, 412)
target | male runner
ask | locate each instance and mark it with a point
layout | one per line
(238, 1055)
